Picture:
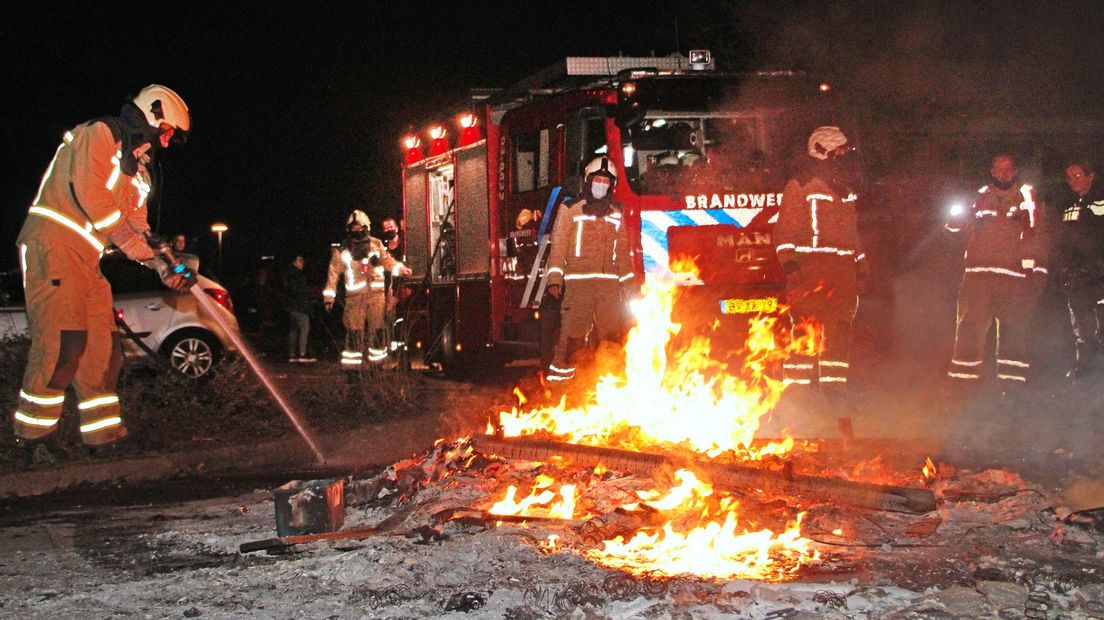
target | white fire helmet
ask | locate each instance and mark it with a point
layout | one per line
(824, 140)
(358, 217)
(601, 164)
(161, 104)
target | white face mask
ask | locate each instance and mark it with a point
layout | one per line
(598, 189)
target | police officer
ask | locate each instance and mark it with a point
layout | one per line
(1082, 259)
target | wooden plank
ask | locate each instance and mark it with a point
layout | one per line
(733, 477)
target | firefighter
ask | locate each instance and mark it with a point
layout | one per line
(92, 195)
(589, 264)
(817, 242)
(1004, 272)
(1082, 263)
(361, 259)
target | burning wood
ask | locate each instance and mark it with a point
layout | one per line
(750, 480)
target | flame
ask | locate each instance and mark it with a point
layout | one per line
(703, 539)
(539, 502)
(687, 399)
(928, 472)
(682, 400)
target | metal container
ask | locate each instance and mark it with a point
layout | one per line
(310, 507)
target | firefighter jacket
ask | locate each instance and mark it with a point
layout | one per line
(361, 264)
(86, 201)
(589, 247)
(1081, 249)
(815, 221)
(1004, 232)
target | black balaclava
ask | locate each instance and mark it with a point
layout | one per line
(136, 132)
(840, 173)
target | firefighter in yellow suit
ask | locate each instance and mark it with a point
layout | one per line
(92, 195)
(590, 261)
(818, 245)
(360, 261)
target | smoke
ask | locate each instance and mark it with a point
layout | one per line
(935, 89)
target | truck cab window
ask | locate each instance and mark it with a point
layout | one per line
(660, 153)
(526, 158)
(585, 140)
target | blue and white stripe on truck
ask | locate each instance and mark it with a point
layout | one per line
(654, 225)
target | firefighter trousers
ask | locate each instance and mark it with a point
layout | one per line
(585, 303)
(74, 341)
(823, 301)
(363, 316)
(982, 299)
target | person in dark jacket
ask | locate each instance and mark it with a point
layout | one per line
(297, 299)
(1082, 261)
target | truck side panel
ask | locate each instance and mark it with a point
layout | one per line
(473, 252)
(417, 234)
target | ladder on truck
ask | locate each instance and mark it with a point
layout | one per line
(538, 276)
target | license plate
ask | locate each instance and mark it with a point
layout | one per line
(763, 305)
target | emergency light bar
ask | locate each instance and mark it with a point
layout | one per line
(701, 59)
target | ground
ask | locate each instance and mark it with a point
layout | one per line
(1001, 542)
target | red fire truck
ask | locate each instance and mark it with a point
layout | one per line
(701, 155)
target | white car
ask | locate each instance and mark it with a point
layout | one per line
(168, 322)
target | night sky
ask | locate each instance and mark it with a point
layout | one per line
(297, 113)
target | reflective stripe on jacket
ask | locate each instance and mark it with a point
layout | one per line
(814, 220)
(352, 263)
(1004, 232)
(587, 247)
(112, 204)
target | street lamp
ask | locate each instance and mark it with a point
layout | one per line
(218, 228)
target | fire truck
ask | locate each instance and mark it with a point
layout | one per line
(701, 157)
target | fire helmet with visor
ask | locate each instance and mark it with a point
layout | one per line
(824, 140)
(358, 218)
(163, 107)
(600, 178)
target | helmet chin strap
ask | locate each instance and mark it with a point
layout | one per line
(136, 133)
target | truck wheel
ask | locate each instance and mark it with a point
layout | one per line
(449, 356)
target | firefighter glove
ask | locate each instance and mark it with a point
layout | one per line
(177, 277)
(328, 305)
(554, 290)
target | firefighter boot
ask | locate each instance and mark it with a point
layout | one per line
(560, 373)
(30, 453)
(1086, 362)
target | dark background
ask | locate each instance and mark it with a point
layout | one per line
(298, 112)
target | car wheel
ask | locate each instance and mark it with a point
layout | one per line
(192, 353)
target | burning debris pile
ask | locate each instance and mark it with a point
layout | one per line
(659, 487)
(992, 543)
